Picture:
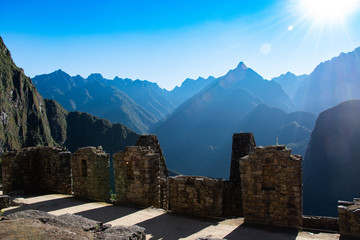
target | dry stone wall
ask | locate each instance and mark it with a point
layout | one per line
(91, 174)
(349, 218)
(265, 183)
(271, 180)
(242, 145)
(137, 179)
(37, 169)
(198, 196)
(141, 174)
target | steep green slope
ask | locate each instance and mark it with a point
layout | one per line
(26, 119)
(23, 120)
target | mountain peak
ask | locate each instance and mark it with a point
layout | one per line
(242, 66)
(94, 77)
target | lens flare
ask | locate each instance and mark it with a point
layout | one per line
(328, 10)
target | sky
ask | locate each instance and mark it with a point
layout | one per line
(167, 41)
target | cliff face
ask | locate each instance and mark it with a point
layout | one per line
(26, 119)
(331, 166)
(23, 120)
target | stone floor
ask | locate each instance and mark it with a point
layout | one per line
(160, 224)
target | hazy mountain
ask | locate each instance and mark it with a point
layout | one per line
(188, 88)
(332, 160)
(93, 96)
(196, 138)
(28, 120)
(331, 83)
(137, 104)
(290, 82)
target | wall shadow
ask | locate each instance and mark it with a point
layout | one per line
(48, 205)
(248, 231)
(171, 226)
(108, 213)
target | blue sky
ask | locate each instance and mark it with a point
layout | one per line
(168, 41)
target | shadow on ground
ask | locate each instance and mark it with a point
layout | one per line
(48, 205)
(256, 231)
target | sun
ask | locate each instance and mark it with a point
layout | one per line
(328, 10)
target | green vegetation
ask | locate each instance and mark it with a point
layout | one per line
(26, 119)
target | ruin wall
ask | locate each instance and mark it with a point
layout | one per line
(349, 218)
(271, 180)
(197, 196)
(91, 174)
(37, 169)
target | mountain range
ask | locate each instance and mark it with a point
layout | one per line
(134, 103)
(196, 138)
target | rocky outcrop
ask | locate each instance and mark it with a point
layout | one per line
(349, 218)
(70, 222)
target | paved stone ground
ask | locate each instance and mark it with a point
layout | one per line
(158, 223)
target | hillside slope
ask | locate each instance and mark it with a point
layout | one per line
(332, 160)
(26, 119)
(23, 120)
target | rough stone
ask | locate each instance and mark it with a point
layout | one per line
(349, 219)
(91, 174)
(199, 196)
(141, 174)
(37, 169)
(5, 201)
(271, 181)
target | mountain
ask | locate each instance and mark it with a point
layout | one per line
(332, 160)
(290, 82)
(147, 94)
(93, 96)
(331, 83)
(196, 138)
(188, 88)
(23, 120)
(137, 104)
(29, 120)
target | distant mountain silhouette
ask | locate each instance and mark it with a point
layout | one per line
(196, 138)
(331, 83)
(93, 96)
(137, 104)
(188, 88)
(332, 160)
(290, 82)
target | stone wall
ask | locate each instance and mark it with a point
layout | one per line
(198, 196)
(232, 200)
(349, 218)
(153, 142)
(271, 181)
(242, 145)
(91, 174)
(141, 174)
(37, 169)
(319, 222)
